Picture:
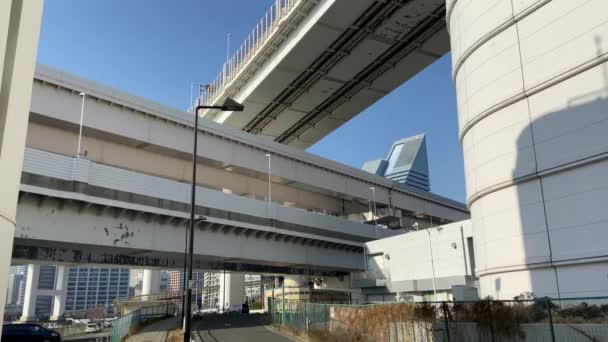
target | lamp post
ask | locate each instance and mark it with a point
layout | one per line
(374, 202)
(200, 86)
(229, 105)
(428, 231)
(228, 47)
(268, 155)
(81, 120)
(224, 291)
(184, 281)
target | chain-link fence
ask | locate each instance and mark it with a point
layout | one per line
(523, 320)
(129, 323)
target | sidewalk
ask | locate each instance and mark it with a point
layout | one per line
(156, 332)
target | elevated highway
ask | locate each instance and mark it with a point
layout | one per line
(126, 201)
(310, 66)
(75, 210)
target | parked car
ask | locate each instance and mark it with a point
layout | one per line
(108, 322)
(92, 328)
(28, 332)
(51, 325)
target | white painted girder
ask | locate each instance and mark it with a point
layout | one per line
(46, 226)
(116, 116)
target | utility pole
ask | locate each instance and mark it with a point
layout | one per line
(81, 121)
(229, 105)
(269, 178)
(432, 263)
(428, 231)
(374, 201)
(228, 47)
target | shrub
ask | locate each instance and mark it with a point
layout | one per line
(497, 317)
(583, 313)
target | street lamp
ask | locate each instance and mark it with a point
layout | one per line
(229, 105)
(374, 202)
(81, 120)
(428, 231)
(268, 155)
(200, 88)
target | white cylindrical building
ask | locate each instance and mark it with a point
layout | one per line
(532, 85)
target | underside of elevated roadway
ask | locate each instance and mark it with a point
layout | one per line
(60, 228)
(328, 61)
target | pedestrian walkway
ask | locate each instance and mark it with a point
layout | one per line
(234, 328)
(156, 332)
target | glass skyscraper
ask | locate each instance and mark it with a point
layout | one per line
(95, 286)
(406, 163)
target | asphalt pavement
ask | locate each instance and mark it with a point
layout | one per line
(234, 328)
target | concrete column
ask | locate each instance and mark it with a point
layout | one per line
(19, 29)
(532, 87)
(296, 281)
(232, 289)
(151, 282)
(31, 292)
(61, 288)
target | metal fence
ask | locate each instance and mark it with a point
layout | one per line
(522, 320)
(70, 330)
(262, 32)
(130, 322)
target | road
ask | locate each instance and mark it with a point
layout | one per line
(234, 328)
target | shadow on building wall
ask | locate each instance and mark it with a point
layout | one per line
(563, 206)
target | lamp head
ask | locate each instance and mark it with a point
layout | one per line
(231, 105)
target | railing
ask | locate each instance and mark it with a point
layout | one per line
(70, 329)
(169, 295)
(201, 299)
(529, 320)
(129, 323)
(253, 43)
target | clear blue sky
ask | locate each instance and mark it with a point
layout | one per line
(157, 48)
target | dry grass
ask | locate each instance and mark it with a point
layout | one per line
(371, 323)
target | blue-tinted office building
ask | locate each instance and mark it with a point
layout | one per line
(406, 163)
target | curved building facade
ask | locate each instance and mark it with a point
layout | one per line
(532, 86)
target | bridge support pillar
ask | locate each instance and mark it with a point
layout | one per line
(61, 287)
(232, 289)
(31, 292)
(151, 282)
(19, 30)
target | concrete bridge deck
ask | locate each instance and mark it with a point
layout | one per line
(103, 214)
